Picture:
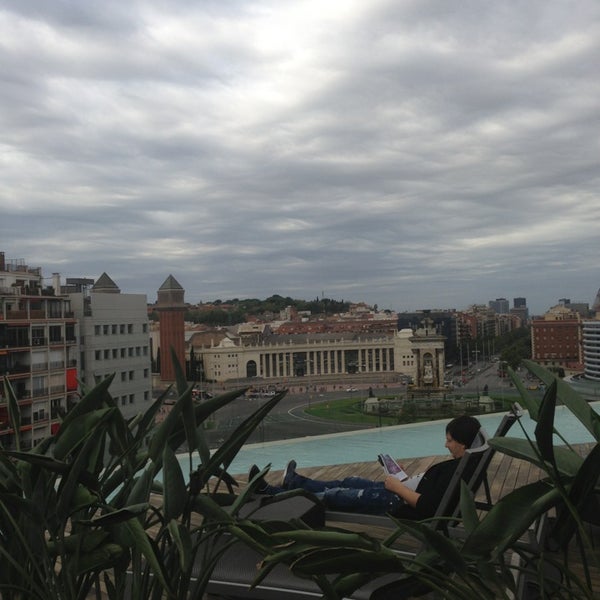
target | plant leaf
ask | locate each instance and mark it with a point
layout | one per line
(545, 425)
(174, 494)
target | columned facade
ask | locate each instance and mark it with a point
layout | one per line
(406, 352)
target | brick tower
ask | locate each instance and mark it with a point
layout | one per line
(171, 309)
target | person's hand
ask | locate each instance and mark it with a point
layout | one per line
(391, 483)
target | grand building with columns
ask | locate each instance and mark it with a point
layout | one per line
(418, 354)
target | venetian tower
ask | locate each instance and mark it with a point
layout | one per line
(171, 309)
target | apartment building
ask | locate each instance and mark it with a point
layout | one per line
(38, 354)
(556, 338)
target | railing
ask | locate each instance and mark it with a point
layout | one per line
(40, 366)
(40, 392)
(57, 364)
(17, 369)
(57, 389)
(17, 314)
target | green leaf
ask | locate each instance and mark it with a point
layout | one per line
(92, 401)
(510, 518)
(119, 516)
(99, 559)
(142, 544)
(140, 492)
(69, 483)
(531, 404)
(84, 542)
(569, 397)
(183, 542)
(582, 494)
(175, 493)
(567, 461)
(78, 430)
(545, 425)
(161, 436)
(230, 448)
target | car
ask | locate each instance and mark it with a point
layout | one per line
(351, 389)
(533, 386)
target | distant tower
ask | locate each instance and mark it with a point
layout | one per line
(519, 302)
(171, 309)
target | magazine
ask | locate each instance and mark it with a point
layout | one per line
(391, 467)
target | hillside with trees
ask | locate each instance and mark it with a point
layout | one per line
(231, 312)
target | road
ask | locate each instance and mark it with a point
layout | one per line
(288, 419)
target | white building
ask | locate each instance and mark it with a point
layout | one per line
(115, 339)
(591, 349)
(418, 354)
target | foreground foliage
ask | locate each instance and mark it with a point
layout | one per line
(78, 511)
(513, 549)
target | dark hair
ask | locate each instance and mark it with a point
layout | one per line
(463, 429)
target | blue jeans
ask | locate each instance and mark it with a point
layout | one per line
(352, 494)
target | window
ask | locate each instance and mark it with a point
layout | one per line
(130, 351)
(98, 355)
(106, 354)
(122, 352)
(145, 350)
(146, 395)
(105, 329)
(131, 398)
(122, 328)
(145, 328)
(131, 375)
(55, 333)
(97, 330)
(138, 351)
(114, 329)
(130, 328)
(115, 353)
(146, 373)
(123, 400)
(123, 375)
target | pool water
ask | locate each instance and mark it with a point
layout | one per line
(401, 441)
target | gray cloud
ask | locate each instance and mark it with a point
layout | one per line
(412, 154)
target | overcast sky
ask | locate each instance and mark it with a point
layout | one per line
(410, 154)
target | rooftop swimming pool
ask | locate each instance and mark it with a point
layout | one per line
(401, 441)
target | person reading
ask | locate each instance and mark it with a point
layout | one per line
(414, 498)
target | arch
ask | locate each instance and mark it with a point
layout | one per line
(251, 370)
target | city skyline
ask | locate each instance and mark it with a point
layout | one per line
(411, 155)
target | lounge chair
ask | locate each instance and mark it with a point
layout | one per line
(449, 505)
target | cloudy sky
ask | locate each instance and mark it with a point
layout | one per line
(408, 153)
